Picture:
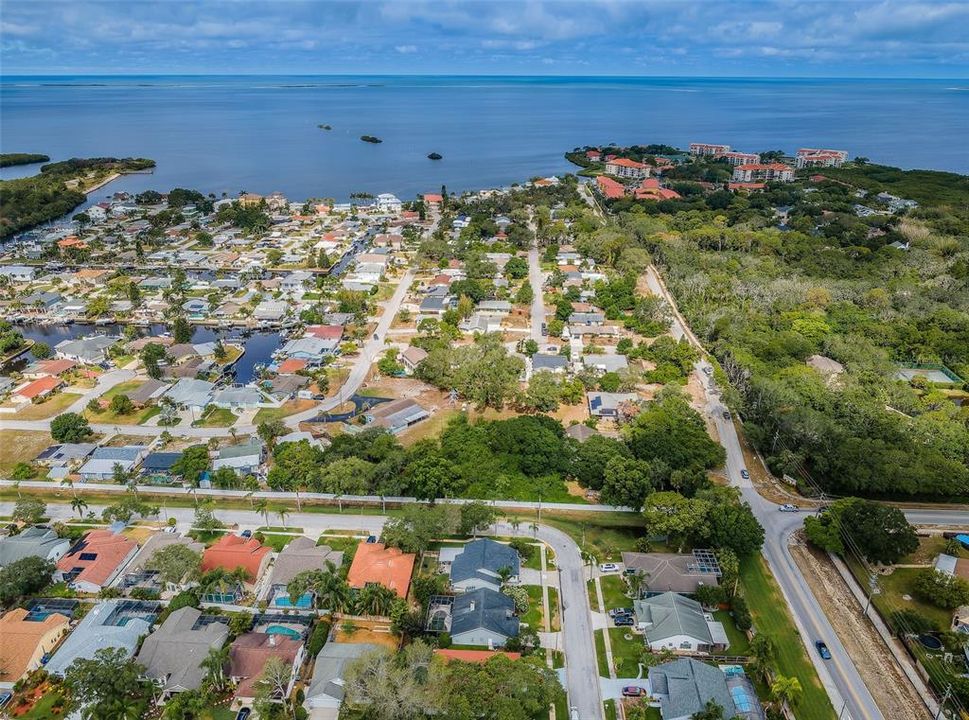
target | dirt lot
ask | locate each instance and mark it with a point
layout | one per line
(892, 691)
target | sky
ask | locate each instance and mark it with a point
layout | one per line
(794, 38)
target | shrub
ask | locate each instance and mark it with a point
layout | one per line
(319, 637)
(519, 595)
(709, 595)
(741, 614)
(909, 621)
(523, 547)
(444, 640)
(172, 522)
(944, 591)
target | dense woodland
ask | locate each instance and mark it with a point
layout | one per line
(11, 159)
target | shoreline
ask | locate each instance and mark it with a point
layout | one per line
(97, 186)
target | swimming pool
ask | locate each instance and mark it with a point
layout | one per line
(283, 630)
(303, 602)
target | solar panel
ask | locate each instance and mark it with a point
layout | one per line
(88, 556)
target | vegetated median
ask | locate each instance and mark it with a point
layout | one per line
(56, 190)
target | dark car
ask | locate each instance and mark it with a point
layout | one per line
(623, 620)
(726, 414)
(247, 533)
(243, 714)
(371, 539)
(744, 474)
(823, 650)
(5, 697)
(633, 691)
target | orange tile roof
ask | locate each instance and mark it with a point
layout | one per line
(325, 332)
(21, 639)
(56, 366)
(610, 188)
(107, 550)
(39, 387)
(649, 183)
(290, 366)
(626, 162)
(376, 563)
(474, 656)
(747, 186)
(232, 551)
(432, 198)
(71, 241)
(248, 656)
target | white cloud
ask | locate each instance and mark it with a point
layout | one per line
(405, 49)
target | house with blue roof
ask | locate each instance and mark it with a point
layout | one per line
(478, 565)
(483, 617)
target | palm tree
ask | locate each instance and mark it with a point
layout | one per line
(283, 513)
(214, 665)
(787, 690)
(249, 498)
(79, 505)
(504, 573)
(262, 507)
(332, 592)
(375, 599)
(67, 482)
(515, 524)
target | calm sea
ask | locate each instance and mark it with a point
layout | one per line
(259, 134)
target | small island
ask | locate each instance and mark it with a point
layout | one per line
(434, 156)
(11, 159)
(371, 139)
(325, 127)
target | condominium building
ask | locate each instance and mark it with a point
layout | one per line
(817, 157)
(626, 168)
(756, 172)
(739, 158)
(708, 149)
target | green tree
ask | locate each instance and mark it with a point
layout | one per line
(626, 482)
(29, 510)
(181, 330)
(416, 526)
(152, 355)
(175, 564)
(69, 427)
(669, 513)
(109, 683)
(375, 599)
(121, 405)
(543, 392)
(475, 517)
(24, 577)
(40, 350)
(193, 462)
(942, 590)
(671, 431)
(589, 459)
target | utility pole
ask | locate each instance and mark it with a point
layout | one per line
(945, 699)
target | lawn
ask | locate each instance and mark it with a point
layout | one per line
(739, 645)
(285, 410)
(276, 542)
(607, 538)
(628, 651)
(137, 417)
(609, 706)
(553, 609)
(346, 545)
(534, 616)
(894, 587)
(215, 417)
(42, 709)
(601, 654)
(614, 592)
(20, 446)
(52, 406)
(122, 389)
(770, 614)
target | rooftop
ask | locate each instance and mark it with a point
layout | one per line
(376, 563)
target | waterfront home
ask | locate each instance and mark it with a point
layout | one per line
(299, 555)
(607, 405)
(41, 302)
(174, 653)
(248, 655)
(310, 349)
(244, 397)
(671, 621)
(244, 458)
(36, 390)
(295, 282)
(324, 332)
(27, 638)
(37, 541)
(377, 563)
(103, 460)
(700, 149)
(230, 552)
(137, 574)
(388, 203)
(433, 199)
(190, 393)
(115, 624)
(196, 308)
(326, 690)
(479, 564)
(610, 189)
(19, 273)
(759, 172)
(396, 415)
(148, 391)
(626, 168)
(483, 617)
(91, 350)
(820, 157)
(95, 561)
(270, 310)
(670, 572)
(286, 387)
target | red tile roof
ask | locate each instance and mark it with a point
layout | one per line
(376, 563)
(610, 188)
(432, 198)
(98, 555)
(325, 332)
(649, 183)
(248, 656)
(57, 366)
(626, 162)
(747, 186)
(40, 387)
(232, 551)
(290, 366)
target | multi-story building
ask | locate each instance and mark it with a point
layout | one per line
(817, 157)
(739, 158)
(757, 172)
(708, 149)
(626, 168)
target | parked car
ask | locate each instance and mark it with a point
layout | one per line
(171, 529)
(623, 620)
(633, 691)
(744, 474)
(726, 414)
(243, 714)
(608, 567)
(371, 539)
(5, 697)
(787, 507)
(247, 533)
(708, 370)
(822, 650)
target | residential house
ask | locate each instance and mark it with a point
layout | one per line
(248, 655)
(675, 622)
(149, 390)
(685, 686)
(479, 564)
(326, 690)
(670, 572)
(388, 203)
(101, 465)
(190, 393)
(270, 310)
(436, 305)
(483, 617)
(91, 350)
(244, 458)
(115, 624)
(53, 366)
(396, 415)
(295, 282)
(411, 357)
(626, 168)
(233, 551)
(27, 638)
(605, 363)
(95, 561)
(605, 404)
(952, 566)
(174, 653)
(739, 158)
(37, 541)
(611, 189)
(19, 273)
(241, 397)
(36, 390)
(324, 332)
(159, 463)
(587, 318)
(66, 454)
(285, 387)
(137, 574)
(310, 349)
(376, 563)
(299, 555)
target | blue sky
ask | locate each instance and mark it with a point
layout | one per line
(835, 38)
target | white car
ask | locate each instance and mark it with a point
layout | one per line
(608, 568)
(787, 507)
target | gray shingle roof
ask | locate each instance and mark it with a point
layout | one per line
(483, 559)
(684, 687)
(175, 651)
(99, 629)
(299, 555)
(327, 683)
(484, 608)
(669, 615)
(32, 542)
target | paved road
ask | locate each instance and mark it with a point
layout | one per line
(105, 382)
(581, 672)
(538, 302)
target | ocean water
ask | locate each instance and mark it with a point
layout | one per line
(226, 134)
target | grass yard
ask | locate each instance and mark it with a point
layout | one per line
(614, 592)
(20, 446)
(534, 617)
(139, 416)
(626, 653)
(739, 645)
(215, 417)
(346, 545)
(893, 589)
(43, 708)
(601, 653)
(607, 538)
(431, 427)
(609, 706)
(770, 614)
(276, 542)
(288, 408)
(553, 609)
(52, 406)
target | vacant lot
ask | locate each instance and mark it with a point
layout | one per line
(20, 446)
(49, 408)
